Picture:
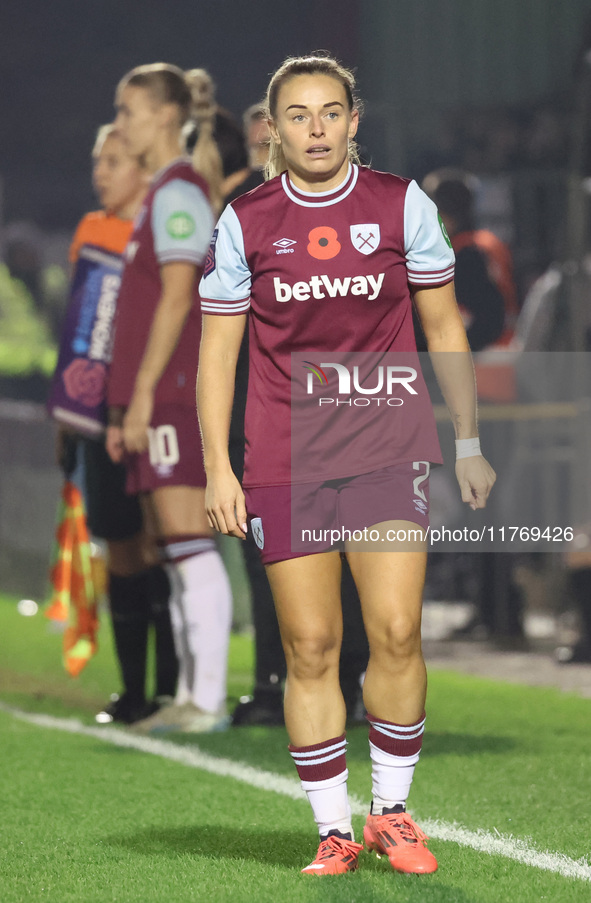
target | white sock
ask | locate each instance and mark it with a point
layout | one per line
(330, 804)
(391, 777)
(185, 678)
(201, 621)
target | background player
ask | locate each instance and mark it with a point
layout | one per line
(319, 206)
(151, 387)
(215, 139)
(138, 586)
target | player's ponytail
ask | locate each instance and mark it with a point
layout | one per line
(165, 83)
(317, 64)
(207, 160)
(276, 162)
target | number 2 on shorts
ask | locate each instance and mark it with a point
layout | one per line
(416, 483)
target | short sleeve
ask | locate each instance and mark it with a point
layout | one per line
(429, 255)
(182, 223)
(225, 285)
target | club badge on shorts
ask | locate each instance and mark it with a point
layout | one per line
(365, 237)
(256, 525)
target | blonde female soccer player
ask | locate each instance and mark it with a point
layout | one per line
(328, 257)
(152, 387)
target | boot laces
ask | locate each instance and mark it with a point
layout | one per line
(408, 830)
(337, 846)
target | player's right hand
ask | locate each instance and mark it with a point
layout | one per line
(224, 504)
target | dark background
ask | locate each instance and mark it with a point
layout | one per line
(60, 62)
(423, 67)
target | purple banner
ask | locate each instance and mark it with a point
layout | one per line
(78, 391)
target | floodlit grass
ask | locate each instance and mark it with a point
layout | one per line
(31, 672)
(84, 820)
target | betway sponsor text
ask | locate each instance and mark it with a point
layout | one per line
(324, 287)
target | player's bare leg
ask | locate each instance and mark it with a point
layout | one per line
(133, 554)
(390, 587)
(308, 603)
(307, 599)
(180, 510)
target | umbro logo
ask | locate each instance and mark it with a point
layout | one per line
(420, 506)
(284, 245)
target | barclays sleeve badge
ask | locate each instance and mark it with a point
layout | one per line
(209, 266)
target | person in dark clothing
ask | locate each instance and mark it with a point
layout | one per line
(256, 133)
(579, 651)
(487, 299)
(484, 285)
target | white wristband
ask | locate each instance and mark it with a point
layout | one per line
(467, 448)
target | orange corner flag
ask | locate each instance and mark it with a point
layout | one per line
(74, 596)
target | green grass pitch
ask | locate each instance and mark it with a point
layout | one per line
(88, 821)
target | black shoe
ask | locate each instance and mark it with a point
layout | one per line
(123, 710)
(251, 711)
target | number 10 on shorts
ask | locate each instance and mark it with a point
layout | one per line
(163, 446)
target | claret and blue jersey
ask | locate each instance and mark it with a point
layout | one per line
(326, 271)
(174, 225)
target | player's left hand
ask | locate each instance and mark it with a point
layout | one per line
(476, 478)
(137, 420)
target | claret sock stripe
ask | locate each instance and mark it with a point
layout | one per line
(322, 761)
(397, 739)
(179, 548)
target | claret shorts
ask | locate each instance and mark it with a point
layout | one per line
(174, 456)
(294, 520)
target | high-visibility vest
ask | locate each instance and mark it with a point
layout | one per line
(26, 343)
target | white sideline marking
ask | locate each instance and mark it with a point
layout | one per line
(481, 841)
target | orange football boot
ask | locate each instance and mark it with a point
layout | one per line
(335, 856)
(396, 836)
